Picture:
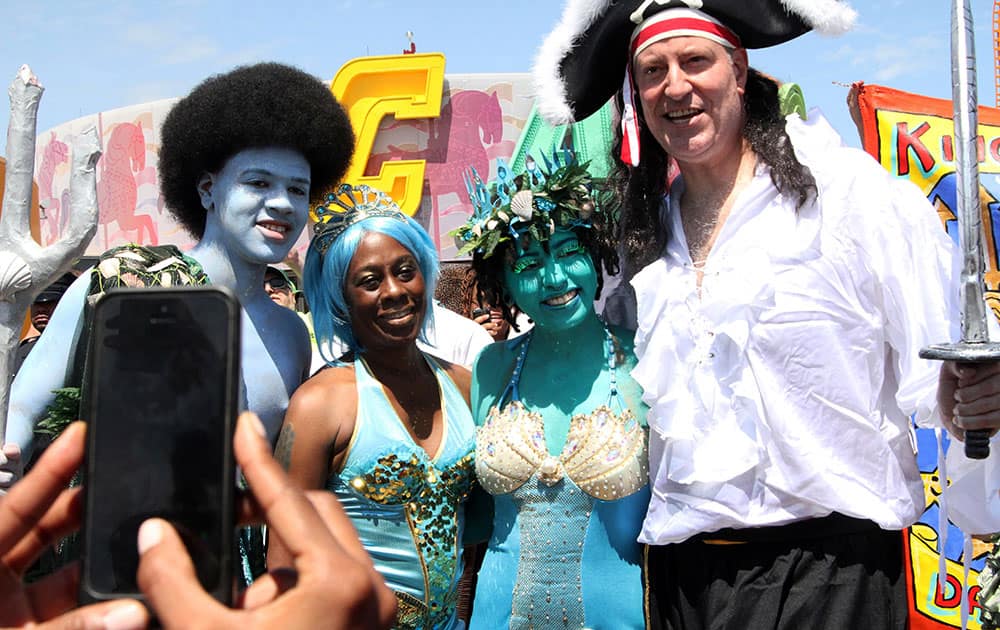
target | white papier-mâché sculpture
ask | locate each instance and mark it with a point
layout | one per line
(25, 266)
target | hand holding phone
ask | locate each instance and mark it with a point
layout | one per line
(336, 585)
(37, 511)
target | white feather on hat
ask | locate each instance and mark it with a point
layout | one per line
(550, 89)
(827, 17)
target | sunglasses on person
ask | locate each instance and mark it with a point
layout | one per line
(277, 283)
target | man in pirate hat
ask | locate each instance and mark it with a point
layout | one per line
(779, 313)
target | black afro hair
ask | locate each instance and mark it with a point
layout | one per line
(262, 105)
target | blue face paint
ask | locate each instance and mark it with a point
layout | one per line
(260, 202)
(556, 288)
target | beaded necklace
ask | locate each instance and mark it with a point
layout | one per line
(512, 386)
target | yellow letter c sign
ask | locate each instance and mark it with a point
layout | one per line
(370, 88)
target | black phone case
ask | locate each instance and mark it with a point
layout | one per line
(223, 593)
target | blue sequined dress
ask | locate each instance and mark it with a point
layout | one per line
(407, 506)
(563, 551)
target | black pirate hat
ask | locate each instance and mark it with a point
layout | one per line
(582, 62)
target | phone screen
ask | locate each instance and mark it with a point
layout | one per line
(162, 392)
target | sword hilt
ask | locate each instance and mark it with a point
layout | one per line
(977, 442)
(975, 346)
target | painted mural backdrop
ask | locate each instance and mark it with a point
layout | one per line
(127, 191)
(417, 132)
(423, 148)
(911, 136)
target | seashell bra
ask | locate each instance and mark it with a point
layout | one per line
(604, 454)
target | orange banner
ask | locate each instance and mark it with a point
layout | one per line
(912, 137)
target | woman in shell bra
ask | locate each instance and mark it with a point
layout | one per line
(387, 428)
(560, 444)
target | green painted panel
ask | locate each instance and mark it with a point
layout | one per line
(590, 138)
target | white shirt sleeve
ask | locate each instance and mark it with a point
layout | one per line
(455, 338)
(917, 284)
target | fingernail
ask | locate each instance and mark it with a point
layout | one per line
(127, 616)
(150, 535)
(257, 425)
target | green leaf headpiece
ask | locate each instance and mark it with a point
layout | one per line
(533, 203)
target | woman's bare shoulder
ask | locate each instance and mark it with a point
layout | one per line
(461, 376)
(330, 393)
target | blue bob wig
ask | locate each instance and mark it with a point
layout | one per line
(325, 275)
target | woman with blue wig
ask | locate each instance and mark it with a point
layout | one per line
(386, 427)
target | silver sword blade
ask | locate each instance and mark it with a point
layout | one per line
(964, 97)
(975, 345)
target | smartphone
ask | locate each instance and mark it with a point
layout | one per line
(160, 398)
(480, 311)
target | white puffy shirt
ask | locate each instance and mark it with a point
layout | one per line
(783, 390)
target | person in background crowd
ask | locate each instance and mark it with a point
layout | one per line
(279, 287)
(785, 285)
(386, 428)
(457, 291)
(492, 319)
(41, 311)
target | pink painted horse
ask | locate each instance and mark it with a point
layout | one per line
(55, 153)
(117, 188)
(470, 121)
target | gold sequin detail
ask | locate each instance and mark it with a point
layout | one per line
(431, 499)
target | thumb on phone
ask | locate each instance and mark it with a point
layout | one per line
(115, 615)
(167, 577)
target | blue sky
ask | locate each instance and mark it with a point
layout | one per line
(97, 55)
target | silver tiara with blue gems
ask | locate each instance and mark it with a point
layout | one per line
(347, 205)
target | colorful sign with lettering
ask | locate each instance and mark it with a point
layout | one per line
(405, 87)
(912, 137)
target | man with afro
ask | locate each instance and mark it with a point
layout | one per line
(240, 156)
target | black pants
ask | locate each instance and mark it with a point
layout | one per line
(831, 573)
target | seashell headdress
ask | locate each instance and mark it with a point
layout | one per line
(534, 203)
